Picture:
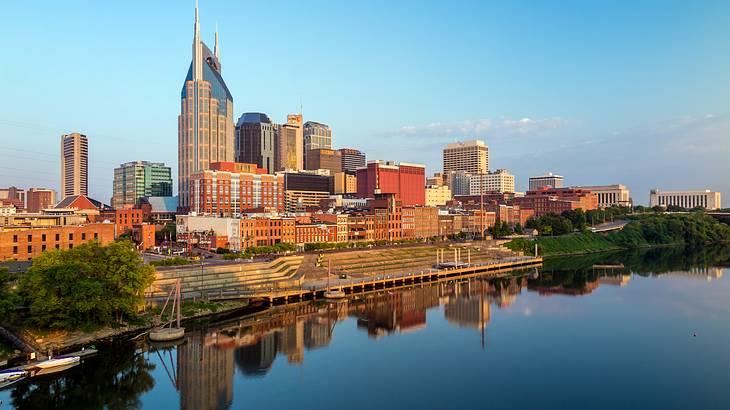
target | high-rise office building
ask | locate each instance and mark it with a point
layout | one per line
(498, 181)
(468, 156)
(74, 165)
(205, 124)
(324, 158)
(134, 180)
(291, 144)
(458, 181)
(548, 180)
(39, 199)
(316, 136)
(352, 159)
(256, 141)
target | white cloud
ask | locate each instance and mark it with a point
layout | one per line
(484, 128)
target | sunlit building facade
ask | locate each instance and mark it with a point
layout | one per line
(205, 125)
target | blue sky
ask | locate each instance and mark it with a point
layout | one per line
(612, 92)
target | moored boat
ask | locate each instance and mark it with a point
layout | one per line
(11, 375)
(166, 334)
(57, 361)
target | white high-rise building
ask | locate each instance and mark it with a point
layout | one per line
(468, 156)
(498, 181)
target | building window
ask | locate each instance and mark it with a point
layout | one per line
(70, 237)
(43, 237)
(15, 238)
(30, 238)
(30, 248)
(15, 250)
(83, 236)
(96, 235)
(58, 238)
(57, 246)
(70, 246)
(43, 247)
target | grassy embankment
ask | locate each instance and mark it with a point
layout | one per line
(642, 231)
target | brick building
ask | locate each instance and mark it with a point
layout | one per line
(230, 189)
(38, 199)
(23, 243)
(405, 181)
(557, 200)
(316, 233)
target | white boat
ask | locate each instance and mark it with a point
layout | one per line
(11, 375)
(166, 334)
(57, 361)
(334, 294)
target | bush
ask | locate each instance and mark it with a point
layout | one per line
(174, 261)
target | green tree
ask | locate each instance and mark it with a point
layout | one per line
(89, 285)
(8, 298)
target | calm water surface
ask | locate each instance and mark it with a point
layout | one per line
(632, 330)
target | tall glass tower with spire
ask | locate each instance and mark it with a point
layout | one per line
(205, 126)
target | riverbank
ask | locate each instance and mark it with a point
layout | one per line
(645, 232)
(63, 341)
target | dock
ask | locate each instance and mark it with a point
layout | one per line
(31, 367)
(315, 290)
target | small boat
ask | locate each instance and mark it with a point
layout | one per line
(11, 375)
(57, 361)
(334, 294)
(57, 369)
(168, 332)
(330, 293)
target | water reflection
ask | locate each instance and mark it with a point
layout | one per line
(206, 365)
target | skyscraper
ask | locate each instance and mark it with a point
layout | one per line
(469, 156)
(316, 136)
(291, 144)
(352, 159)
(256, 141)
(74, 165)
(205, 124)
(134, 180)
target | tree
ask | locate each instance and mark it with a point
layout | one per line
(89, 285)
(577, 218)
(8, 298)
(518, 228)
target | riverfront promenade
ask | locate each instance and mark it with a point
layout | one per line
(305, 277)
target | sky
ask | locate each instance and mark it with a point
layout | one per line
(626, 92)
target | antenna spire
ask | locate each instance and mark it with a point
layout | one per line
(197, 48)
(216, 49)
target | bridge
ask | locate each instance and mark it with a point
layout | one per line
(609, 226)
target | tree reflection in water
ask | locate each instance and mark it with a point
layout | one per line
(114, 379)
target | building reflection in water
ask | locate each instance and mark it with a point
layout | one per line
(205, 371)
(251, 344)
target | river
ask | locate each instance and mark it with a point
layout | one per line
(645, 329)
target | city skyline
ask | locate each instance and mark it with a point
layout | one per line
(604, 131)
